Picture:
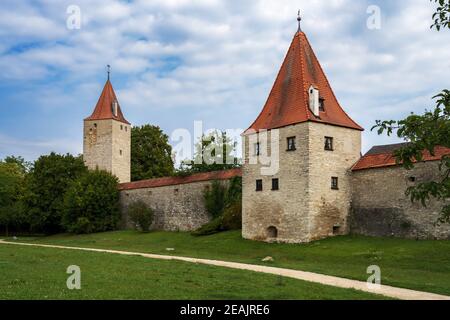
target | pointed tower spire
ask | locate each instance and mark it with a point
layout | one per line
(299, 19)
(108, 106)
(301, 92)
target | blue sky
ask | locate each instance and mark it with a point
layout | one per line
(177, 61)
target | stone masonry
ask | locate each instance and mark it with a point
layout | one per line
(107, 146)
(380, 207)
(305, 207)
(177, 207)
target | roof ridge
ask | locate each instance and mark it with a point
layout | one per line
(328, 83)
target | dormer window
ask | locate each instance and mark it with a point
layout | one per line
(314, 100)
(115, 107)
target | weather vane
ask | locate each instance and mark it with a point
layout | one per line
(108, 68)
(299, 19)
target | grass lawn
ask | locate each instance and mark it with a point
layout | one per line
(40, 273)
(419, 265)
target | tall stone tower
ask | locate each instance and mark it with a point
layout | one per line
(312, 144)
(107, 137)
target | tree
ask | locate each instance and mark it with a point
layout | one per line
(48, 182)
(214, 152)
(24, 166)
(151, 153)
(91, 203)
(12, 178)
(441, 18)
(426, 132)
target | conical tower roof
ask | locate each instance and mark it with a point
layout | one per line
(288, 101)
(104, 108)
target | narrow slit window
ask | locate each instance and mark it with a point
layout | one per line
(259, 185)
(275, 184)
(257, 149)
(334, 183)
(329, 143)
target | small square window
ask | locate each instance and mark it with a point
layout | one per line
(120, 152)
(126, 128)
(291, 144)
(334, 183)
(259, 185)
(257, 149)
(121, 127)
(329, 143)
(275, 184)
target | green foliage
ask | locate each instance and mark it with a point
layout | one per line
(425, 132)
(224, 204)
(12, 185)
(47, 184)
(441, 18)
(212, 227)
(232, 216)
(214, 153)
(215, 198)
(151, 153)
(141, 215)
(91, 203)
(24, 166)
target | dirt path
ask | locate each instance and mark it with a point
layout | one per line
(393, 292)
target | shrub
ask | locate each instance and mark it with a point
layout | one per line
(232, 216)
(215, 198)
(91, 203)
(140, 215)
(212, 227)
(224, 204)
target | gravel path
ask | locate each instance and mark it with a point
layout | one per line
(393, 292)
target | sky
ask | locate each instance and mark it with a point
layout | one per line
(174, 62)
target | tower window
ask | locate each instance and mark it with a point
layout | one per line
(329, 143)
(120, 152)
(275, 184)
(256, 149)
(126, 128)
(121, 127)
(259, 185)
(322, 104)
(291, 144)
(95, 125)
(334, 183)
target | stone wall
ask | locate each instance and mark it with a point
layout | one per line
(381, 208)
(177, 207)
(329, 208)
(305, 208)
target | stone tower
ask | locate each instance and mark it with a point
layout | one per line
(107, 137)
(296, 183)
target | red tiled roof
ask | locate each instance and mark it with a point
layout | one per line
(288, 100)
(103, 109)
(169, 181)
(382, 156)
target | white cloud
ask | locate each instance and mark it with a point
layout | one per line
(175, 61)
